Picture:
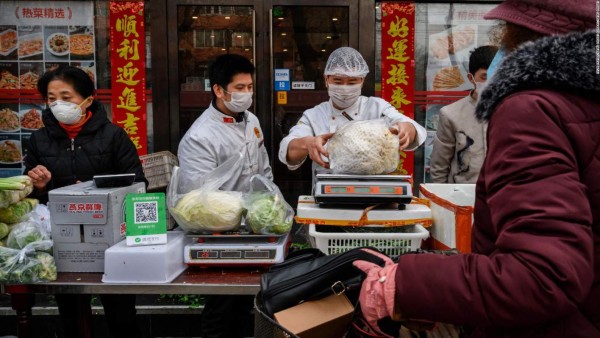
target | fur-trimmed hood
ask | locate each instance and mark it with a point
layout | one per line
(561, 62)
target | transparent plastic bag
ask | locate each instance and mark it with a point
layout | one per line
(364, 148)
(206, 208)
(30, 231)
(31, 264)
(267, 211)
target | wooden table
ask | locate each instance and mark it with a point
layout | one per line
(210, 281)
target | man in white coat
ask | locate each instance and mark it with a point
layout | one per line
(344, 74)
(223, 131)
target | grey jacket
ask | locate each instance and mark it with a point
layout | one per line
(460, 145)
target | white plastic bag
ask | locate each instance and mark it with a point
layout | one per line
(31, 264)
(267, 211)
(364, 148)
(30, 231)
(207, 209)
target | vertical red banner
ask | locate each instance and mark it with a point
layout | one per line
(128, 62)
(398, 64)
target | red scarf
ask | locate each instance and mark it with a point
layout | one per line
(74, 129)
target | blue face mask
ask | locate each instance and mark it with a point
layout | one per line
(500, 54)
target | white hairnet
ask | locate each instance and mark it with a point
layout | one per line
(346, 61)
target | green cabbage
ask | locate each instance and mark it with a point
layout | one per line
(26, 268)
(23, 234)
(4, 230)
(201, 210)
(268, 214)
(17, 212)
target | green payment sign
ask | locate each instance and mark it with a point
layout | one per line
(145, 219)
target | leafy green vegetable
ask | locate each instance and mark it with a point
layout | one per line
(46, 267)
(18, 211)
(4, 230)
(268, 214)
(23, 234)
(14, 189)
(27, 266)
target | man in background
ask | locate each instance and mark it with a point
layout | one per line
(459, 146)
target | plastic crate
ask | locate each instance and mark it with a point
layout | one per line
(334, 239)
(158, 168)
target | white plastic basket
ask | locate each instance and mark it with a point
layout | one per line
(158, 168)
(392, 244)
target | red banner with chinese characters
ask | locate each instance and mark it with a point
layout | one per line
(128, 60)
(398, 64)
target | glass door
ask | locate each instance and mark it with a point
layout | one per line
(295, 36)
(202, 33)
(302, 37)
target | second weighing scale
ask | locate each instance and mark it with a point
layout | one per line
(338, 189)
(236, 249)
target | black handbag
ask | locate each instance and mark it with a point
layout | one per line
(309, 275)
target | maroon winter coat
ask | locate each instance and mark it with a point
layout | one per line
(535, 271)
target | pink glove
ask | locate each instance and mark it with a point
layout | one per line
(378, 289)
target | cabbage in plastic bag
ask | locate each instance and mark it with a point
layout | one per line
(201, 210)
(364, 148)
(24, 233)
(28, 265)
(267, 211)
(205, 208)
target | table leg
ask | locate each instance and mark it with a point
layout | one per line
(22, 304)
(85, 316)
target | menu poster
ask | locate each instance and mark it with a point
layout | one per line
(454, 32)
(37, 36)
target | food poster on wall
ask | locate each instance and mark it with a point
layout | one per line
(454, 31)
(37, 36)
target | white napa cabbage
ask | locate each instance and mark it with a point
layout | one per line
(201, 211)
(363, 148)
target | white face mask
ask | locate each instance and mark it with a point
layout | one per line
(240, 101)
(66, 112)
(344, 96)
(480, 86)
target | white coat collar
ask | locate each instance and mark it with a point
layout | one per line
(218, 116)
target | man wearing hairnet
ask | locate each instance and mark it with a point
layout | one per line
(344, 74)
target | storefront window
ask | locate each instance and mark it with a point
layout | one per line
(445, 35)
(205, 32)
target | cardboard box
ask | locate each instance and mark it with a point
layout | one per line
(86, 221)
(328, 317)
(149, 264)
(452, 212)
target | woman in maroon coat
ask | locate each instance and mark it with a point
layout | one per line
(535, 266)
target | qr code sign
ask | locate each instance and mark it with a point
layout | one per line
(146, 212)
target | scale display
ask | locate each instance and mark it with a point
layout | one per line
(236, 250)
(231, 254)
(333, 189)
(364, 190)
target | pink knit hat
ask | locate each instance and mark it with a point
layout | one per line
(547, 16)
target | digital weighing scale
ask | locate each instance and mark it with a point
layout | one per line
(336, 189)
(236, 249)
